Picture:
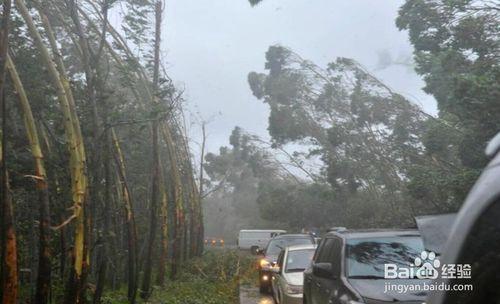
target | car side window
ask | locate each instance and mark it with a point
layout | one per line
(280, 259)
(325, 251)
(318, 249)
(335, 256)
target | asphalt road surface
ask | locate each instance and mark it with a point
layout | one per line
(251, 295)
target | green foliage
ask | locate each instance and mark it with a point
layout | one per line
(213, 278)
(234, 176)
(306, 205)
(256, 82)
(137, 22)
(380, 152)
(456, 51)
(384, 158)
(321, 206)
(359, 123)
(438, 190)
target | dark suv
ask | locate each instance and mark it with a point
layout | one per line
(272, 251)
(348, 268)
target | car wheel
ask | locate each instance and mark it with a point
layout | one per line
(275, 297)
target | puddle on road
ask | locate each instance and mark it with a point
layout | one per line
(251, 295)
(265, 300)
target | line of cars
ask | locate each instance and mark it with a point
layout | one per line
(346, 267)
(349, 266)
(274, 250)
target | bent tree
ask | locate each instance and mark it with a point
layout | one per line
(371, 140)
(155, 169)
(84, 92)
(44, 259)
(76, 149)
(8, 254)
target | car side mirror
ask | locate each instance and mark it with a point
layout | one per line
(323, 270)
(255, 250)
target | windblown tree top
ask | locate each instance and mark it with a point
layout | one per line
(457, 51)
(356, 122)
(254, 2)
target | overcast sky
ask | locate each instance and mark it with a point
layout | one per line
(211, 45)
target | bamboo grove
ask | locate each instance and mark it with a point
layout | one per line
(98, 189)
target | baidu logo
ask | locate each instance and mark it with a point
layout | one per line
(425, 266)
(428, 267)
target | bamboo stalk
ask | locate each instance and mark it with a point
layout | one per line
(9, 287)
(77, 155)
(160, 280)
(178, 199)
(145, 87)
(129, 218)
(44, 260)
(155, 169)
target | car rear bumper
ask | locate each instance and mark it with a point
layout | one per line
(265, 277)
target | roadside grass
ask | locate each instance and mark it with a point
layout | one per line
(213, 278)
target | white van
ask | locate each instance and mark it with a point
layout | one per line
(256, 239)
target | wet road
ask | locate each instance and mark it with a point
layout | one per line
(251, 295)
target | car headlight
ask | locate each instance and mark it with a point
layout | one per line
(293, 289)
(265, 263)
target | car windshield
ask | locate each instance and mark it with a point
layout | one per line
(366, 257)
(298, 260)
(275, 246)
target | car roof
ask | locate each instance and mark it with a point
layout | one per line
(367, 233)
(262, 230)
(301, 247)
(290, 236)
